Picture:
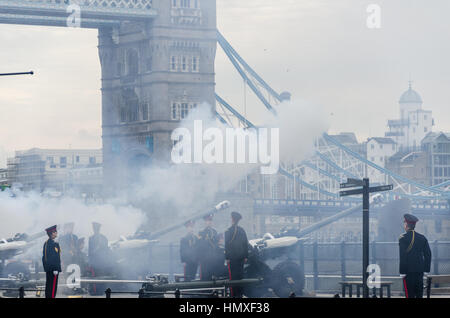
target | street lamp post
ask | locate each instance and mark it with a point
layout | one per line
(20, 73)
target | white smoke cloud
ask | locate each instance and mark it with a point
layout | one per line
(189, 188)
(300, 123)
(165, 193)
(33, 213)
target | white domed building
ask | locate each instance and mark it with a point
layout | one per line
(414, 123)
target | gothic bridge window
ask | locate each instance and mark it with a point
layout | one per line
(132, 62)
(180, 110)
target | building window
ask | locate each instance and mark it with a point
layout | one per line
(425, 129)
(372, 146)
(381, 146)
(184, 66)
(181, 110)
(123, 115)
(119, 69)
(185, 3)
(63, 162)
(195, 64)
(184, 110)
(175, 111)
(173, 63)
(144, 111)
(425, 117)
(92, 160)
(77, 159)
(133, 110)
(148, 64)
(372, 159)
(132, 62)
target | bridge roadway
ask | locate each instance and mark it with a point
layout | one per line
(312, 207)
(94, 13)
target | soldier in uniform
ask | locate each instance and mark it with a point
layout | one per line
(98, 253)
(415, 258)
(68, 243)
(81, 257)
(208, 250)
(236, 251)
(189, 252)
(51, 260)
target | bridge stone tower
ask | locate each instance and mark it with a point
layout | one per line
(153, 73)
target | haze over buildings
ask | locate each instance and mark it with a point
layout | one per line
(375, 63)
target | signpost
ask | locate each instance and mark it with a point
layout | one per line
(365, 191)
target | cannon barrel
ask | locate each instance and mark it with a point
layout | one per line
(35, 236)
(314, 227)
(221, 206)
(201, 284)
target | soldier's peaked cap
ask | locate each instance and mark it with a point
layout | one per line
(96, 224)
(51, 229)
(236, 216)
(410, 219)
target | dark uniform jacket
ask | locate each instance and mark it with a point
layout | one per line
(415, 253)
(189, 249)
(98, 250)
(69, 242)
(51, 258)
(208, 244)
(236, 243)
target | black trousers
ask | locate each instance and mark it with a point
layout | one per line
(206, 270)
(51, 285)
(236, 271)
(413, 285)
(190, 270)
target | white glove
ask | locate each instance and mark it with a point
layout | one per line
(55, 273)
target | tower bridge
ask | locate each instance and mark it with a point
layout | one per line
(157, 62)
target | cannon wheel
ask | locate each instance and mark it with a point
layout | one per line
(288, 277)
(258, 269)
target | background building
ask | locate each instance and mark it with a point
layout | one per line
(414, 122)
(378, 150)
(437, 148)
(410, 164)
(3, 176)
(57, 170)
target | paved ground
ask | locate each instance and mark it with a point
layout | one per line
(318, 295)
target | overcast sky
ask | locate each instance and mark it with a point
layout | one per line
(320, 50)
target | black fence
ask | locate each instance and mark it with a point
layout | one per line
(345, 259)
(342, 259)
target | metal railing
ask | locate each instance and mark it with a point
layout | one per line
(344, 259)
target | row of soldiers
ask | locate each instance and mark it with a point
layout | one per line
(204, 251)
(53, 260)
